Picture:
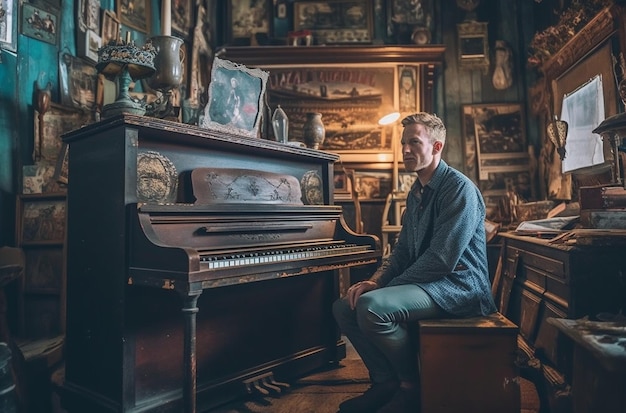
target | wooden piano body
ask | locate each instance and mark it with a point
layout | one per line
(178, 304)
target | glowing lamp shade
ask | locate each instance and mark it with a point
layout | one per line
(389, 118)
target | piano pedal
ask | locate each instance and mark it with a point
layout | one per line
(282, 386)
(271, 387)
(264, 385)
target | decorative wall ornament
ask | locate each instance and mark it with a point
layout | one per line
(503, 70)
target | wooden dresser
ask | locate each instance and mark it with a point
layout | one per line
(541, 279)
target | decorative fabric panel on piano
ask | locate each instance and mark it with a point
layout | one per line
(225, 185)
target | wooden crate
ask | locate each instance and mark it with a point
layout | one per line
(468, 365)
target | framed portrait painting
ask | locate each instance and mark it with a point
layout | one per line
(407, 88)
(89, 15)
(236, 95)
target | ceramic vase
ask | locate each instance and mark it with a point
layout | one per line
(313, 130)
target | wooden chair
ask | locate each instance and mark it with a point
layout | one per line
(354, 196)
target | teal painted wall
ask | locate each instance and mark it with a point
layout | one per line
(35, 64)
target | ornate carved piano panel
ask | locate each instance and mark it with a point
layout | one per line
(198, 264)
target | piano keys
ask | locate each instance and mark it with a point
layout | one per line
(198, 265)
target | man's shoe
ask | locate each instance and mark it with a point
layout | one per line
(403, 401)
(373, 399)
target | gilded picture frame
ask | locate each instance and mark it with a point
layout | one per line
(236, 98)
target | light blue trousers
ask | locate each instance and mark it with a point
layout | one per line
(377, 329)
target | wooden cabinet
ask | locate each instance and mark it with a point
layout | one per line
(541, 279)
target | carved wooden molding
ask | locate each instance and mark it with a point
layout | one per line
(601, 27)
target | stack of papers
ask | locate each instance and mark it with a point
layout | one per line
(546, 226)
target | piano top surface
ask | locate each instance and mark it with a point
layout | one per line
(165, 130)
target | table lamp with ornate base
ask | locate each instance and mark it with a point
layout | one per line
(125, 62)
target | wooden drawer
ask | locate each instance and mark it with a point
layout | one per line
(548, 265)
(529, 312)
(546, 343)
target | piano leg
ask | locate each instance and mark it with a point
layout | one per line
(190, 308)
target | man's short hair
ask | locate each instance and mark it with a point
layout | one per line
(433, 124)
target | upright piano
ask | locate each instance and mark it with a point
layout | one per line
(201, 266)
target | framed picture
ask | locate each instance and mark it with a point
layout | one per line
(61, 172)
(499, 135)
(43, 269)
(8, 31)
(41, 23)
(372, 184)
(351, 100)
(342, 184)
(182, 17)
(56, 121)
(335, 21)
(110, 27)
(410, 12)
(93, 42)
(407, 88)
(41, 219)
(134, 14)
(82, 78)
(247, 18)
(89, 15)
(236, 95)
(473, 45)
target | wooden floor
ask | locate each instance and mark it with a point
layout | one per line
(323, 392)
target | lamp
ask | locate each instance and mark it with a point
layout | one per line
(389, 118)
(384, 121)
(613, 128)
(125, 62)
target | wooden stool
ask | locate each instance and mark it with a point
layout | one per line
(468, 365)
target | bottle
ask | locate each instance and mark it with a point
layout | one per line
(280, 125)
